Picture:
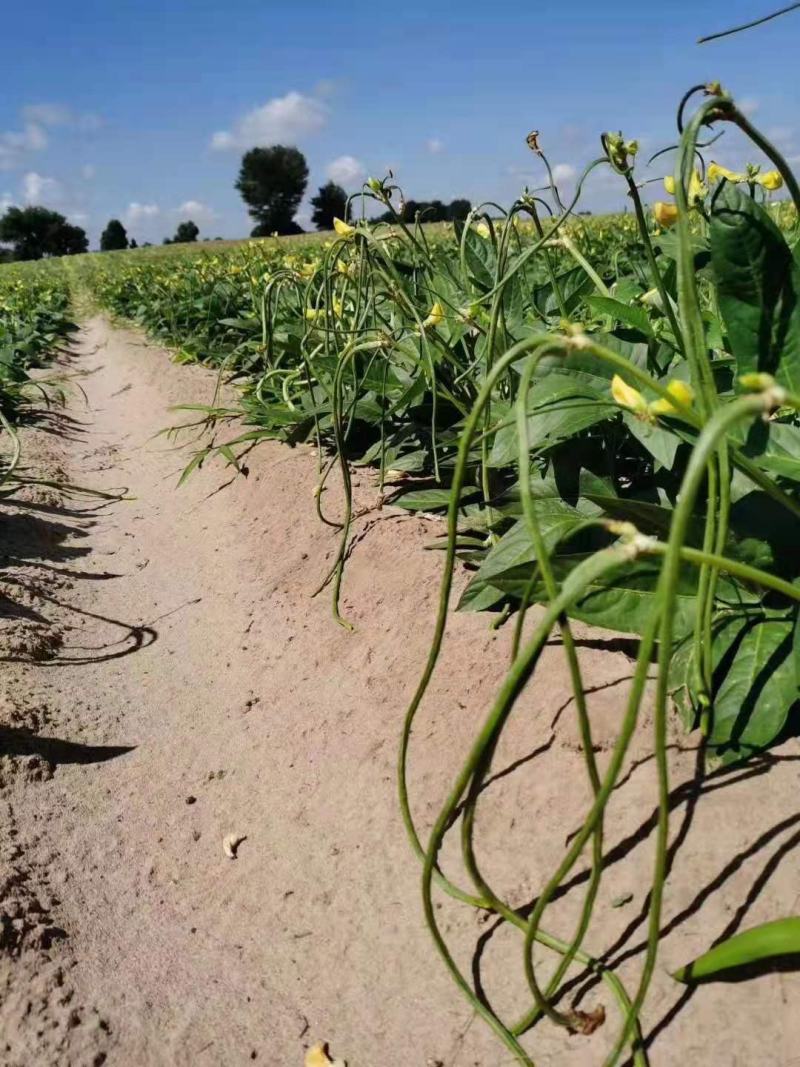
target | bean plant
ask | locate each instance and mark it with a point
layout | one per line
(35, 317)
(606, 410)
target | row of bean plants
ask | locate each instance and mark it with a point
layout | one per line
(35, 318)
(607, 411)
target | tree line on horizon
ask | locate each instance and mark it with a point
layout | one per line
(272, 182)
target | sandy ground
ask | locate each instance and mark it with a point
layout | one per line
(168, 681)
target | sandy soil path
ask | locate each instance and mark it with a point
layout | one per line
(168, 682)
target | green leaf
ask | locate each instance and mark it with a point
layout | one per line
(630, 314)
(560, 407)
(755, 683)
(510, 559)
(429, 499)
(573, 285)
(758, 281)
(774, 445)
(659, 442)
(480, 258)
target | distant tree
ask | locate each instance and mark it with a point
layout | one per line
(329, 203)
(272, 182)
(264, 229)
(430, 211)
(113, 237)
(132, 243)
(457, 210)
(68, 240)
(35, 232)
(186, 233)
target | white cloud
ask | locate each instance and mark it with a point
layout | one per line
(14, 144)
(37, 119)
(195, 210)
(137, 212)
(60, 115)
(563, 172)
(36, 189)
(47, 114)
(748, 106)
(346, 170)
(283, 119)
(434, 146)
(6, 201)
(88, 171)
(79, 218)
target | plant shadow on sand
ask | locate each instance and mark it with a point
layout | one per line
(697, 782)
(42, 541)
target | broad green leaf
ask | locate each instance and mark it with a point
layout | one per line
(631, 314)
(755, 682)
(774, 445)
(512, 556)
(560, 407)
(758, 282)
(573, 285)
(429, 499)
(659, 441)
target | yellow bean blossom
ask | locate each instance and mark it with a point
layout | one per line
(756, 381)
(770, 180)
(666, 215)
(344, 229)
(715, 172)
(681, 391)
(628, 397)
(697, 189)
(435, 316)
(317, 1056)
(482, 230)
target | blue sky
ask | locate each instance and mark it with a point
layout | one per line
(142, 110)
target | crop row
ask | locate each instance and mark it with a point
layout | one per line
(608, 411)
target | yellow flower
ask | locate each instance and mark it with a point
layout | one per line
(311, 314)
(697, 191)
(756, 382)
(770, 180)
(338, 307)
(666, 215)
(343, 228)
(348, 269)
(715, 172)
(317, 1056)
(669, 184)
(435, 316)
(628, 397)
(307, 270)
(482, 230)
(682, 392)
